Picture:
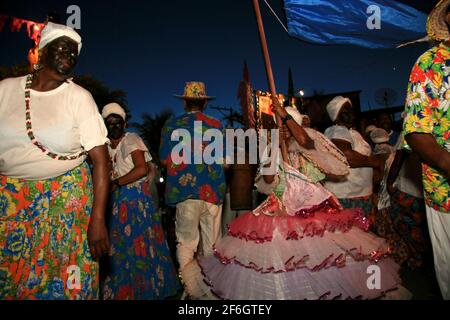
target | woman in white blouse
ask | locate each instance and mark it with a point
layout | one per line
(52, 226)
(140, 265)
(354, 190)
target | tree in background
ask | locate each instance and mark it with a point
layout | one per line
(18, 70)
(101, 93)
(150, 131)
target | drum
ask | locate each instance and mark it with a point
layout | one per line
(241, 186)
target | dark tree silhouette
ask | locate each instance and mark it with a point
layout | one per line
(101, 93)
(150, 130)
(17, 70)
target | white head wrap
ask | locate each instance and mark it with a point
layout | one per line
(379, 136)
(53, 31)
(297, 116)
(370, 128)
(335, 105)
(113, 108)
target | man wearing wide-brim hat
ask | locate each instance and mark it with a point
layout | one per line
(194, 187)
(427, 132)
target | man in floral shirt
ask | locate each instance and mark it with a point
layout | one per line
(426, 130)
(196, 189)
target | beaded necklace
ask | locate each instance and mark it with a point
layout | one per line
(29, 127)
(113, 151)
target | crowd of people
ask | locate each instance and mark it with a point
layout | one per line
(79, 220)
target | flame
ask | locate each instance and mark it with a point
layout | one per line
(33, 30)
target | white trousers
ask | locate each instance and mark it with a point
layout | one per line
(196, 221)
(439, 228)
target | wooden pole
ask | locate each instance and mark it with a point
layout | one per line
(269, 72)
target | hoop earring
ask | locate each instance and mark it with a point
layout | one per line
(37, 67)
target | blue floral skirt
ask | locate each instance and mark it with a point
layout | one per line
(140, 266)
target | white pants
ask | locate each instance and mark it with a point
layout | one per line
(196, 220)
(439, 228)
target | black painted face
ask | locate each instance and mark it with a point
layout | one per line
(61, 56)
(347, 116)
(115, 126)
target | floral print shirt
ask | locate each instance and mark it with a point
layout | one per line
(185, 181)
(427, 111)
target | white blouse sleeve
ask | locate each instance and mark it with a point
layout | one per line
(91, 126)
(133, 142)
(340, 133)
(93, 132)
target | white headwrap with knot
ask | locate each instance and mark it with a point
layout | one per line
(53, 31)
(113, 108)
(335, 105)
(297, 116)
(370, 128)
(379, 136)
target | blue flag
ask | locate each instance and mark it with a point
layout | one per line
(365, 23)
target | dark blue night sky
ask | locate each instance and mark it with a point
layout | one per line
(151, 48)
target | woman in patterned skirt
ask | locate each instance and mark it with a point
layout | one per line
(408, 224)
(140, 265)
(52, 226)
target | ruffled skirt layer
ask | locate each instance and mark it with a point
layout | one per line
(327, 255)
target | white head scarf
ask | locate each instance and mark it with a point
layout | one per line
(335, 105)
(370, 128)
(53, 31)
(113, 108)
(297, 116)
(379, 136)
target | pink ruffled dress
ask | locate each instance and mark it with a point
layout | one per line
(298, 244)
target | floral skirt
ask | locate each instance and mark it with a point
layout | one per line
(141, 266)
(44, 251)
(404, 226)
